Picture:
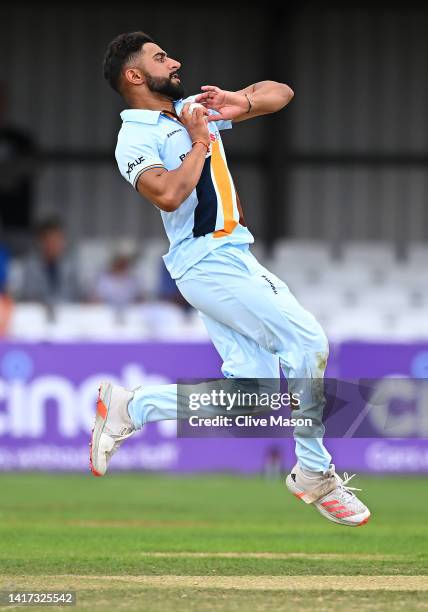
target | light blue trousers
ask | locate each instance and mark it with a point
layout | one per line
(256, 325)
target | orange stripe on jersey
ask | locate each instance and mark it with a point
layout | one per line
(224, 186)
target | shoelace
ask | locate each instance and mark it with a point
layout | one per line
(344, 483)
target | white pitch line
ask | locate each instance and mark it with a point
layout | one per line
(269, 555)
(289, 583)
(240, 583)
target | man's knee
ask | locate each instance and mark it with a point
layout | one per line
(319, 350)
(321, 342)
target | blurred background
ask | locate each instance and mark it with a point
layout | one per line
(334, 188)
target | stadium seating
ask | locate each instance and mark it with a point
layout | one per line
(29, 322)
(365, 294)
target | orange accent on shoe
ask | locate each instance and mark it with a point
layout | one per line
(91, 465)
(345, 514)
(366, 520)
(101, 409)
(299, 495)
(95, 473)
(332, 502)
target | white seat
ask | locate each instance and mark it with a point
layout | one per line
(374, 254)
(302, 253)
(418, 255)
(295, 278)
(351, 276)
(85, 321)
(412, 327)
(28, 322)
(387, 299)
(360, 324)
(408, 276)
(92, 259)
(159, 320)
(318, 301)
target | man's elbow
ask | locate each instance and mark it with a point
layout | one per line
(282, 95)
(174, 197)
(169, 202)
(287, 93)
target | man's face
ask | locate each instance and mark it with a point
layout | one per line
(52, 244)
(161, 72)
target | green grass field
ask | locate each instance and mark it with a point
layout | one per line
(145, 542)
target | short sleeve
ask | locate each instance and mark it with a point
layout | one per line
(137, 157)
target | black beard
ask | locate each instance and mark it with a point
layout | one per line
(166, 87)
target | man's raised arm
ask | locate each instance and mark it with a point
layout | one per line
(255, 100)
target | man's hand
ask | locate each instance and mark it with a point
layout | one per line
(259, 99)
(196, 123)
(229, 104)
(169, 189)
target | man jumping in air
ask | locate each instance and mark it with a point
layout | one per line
(171, 152)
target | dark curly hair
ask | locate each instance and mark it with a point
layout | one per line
(119, 51)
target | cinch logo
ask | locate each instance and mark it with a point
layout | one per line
(173, 132)
(26, 402)
(132, 165)
(213, 137)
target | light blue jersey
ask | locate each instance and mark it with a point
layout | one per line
(253, 319)
(211, 215)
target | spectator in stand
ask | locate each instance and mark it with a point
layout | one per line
(119, 285)
(16, 174)
(50, 272)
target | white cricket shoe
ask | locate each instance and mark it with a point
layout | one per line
(112, 425)
(329, 494)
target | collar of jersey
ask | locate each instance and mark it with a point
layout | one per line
(141, 115)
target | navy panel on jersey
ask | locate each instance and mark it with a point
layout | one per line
(206, 208)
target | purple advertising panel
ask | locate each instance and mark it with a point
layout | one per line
(409, 453)
(48, 393)
(47, 400)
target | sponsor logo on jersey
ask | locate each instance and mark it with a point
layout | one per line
(134, 164)
(173, 132)
(274, 289)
